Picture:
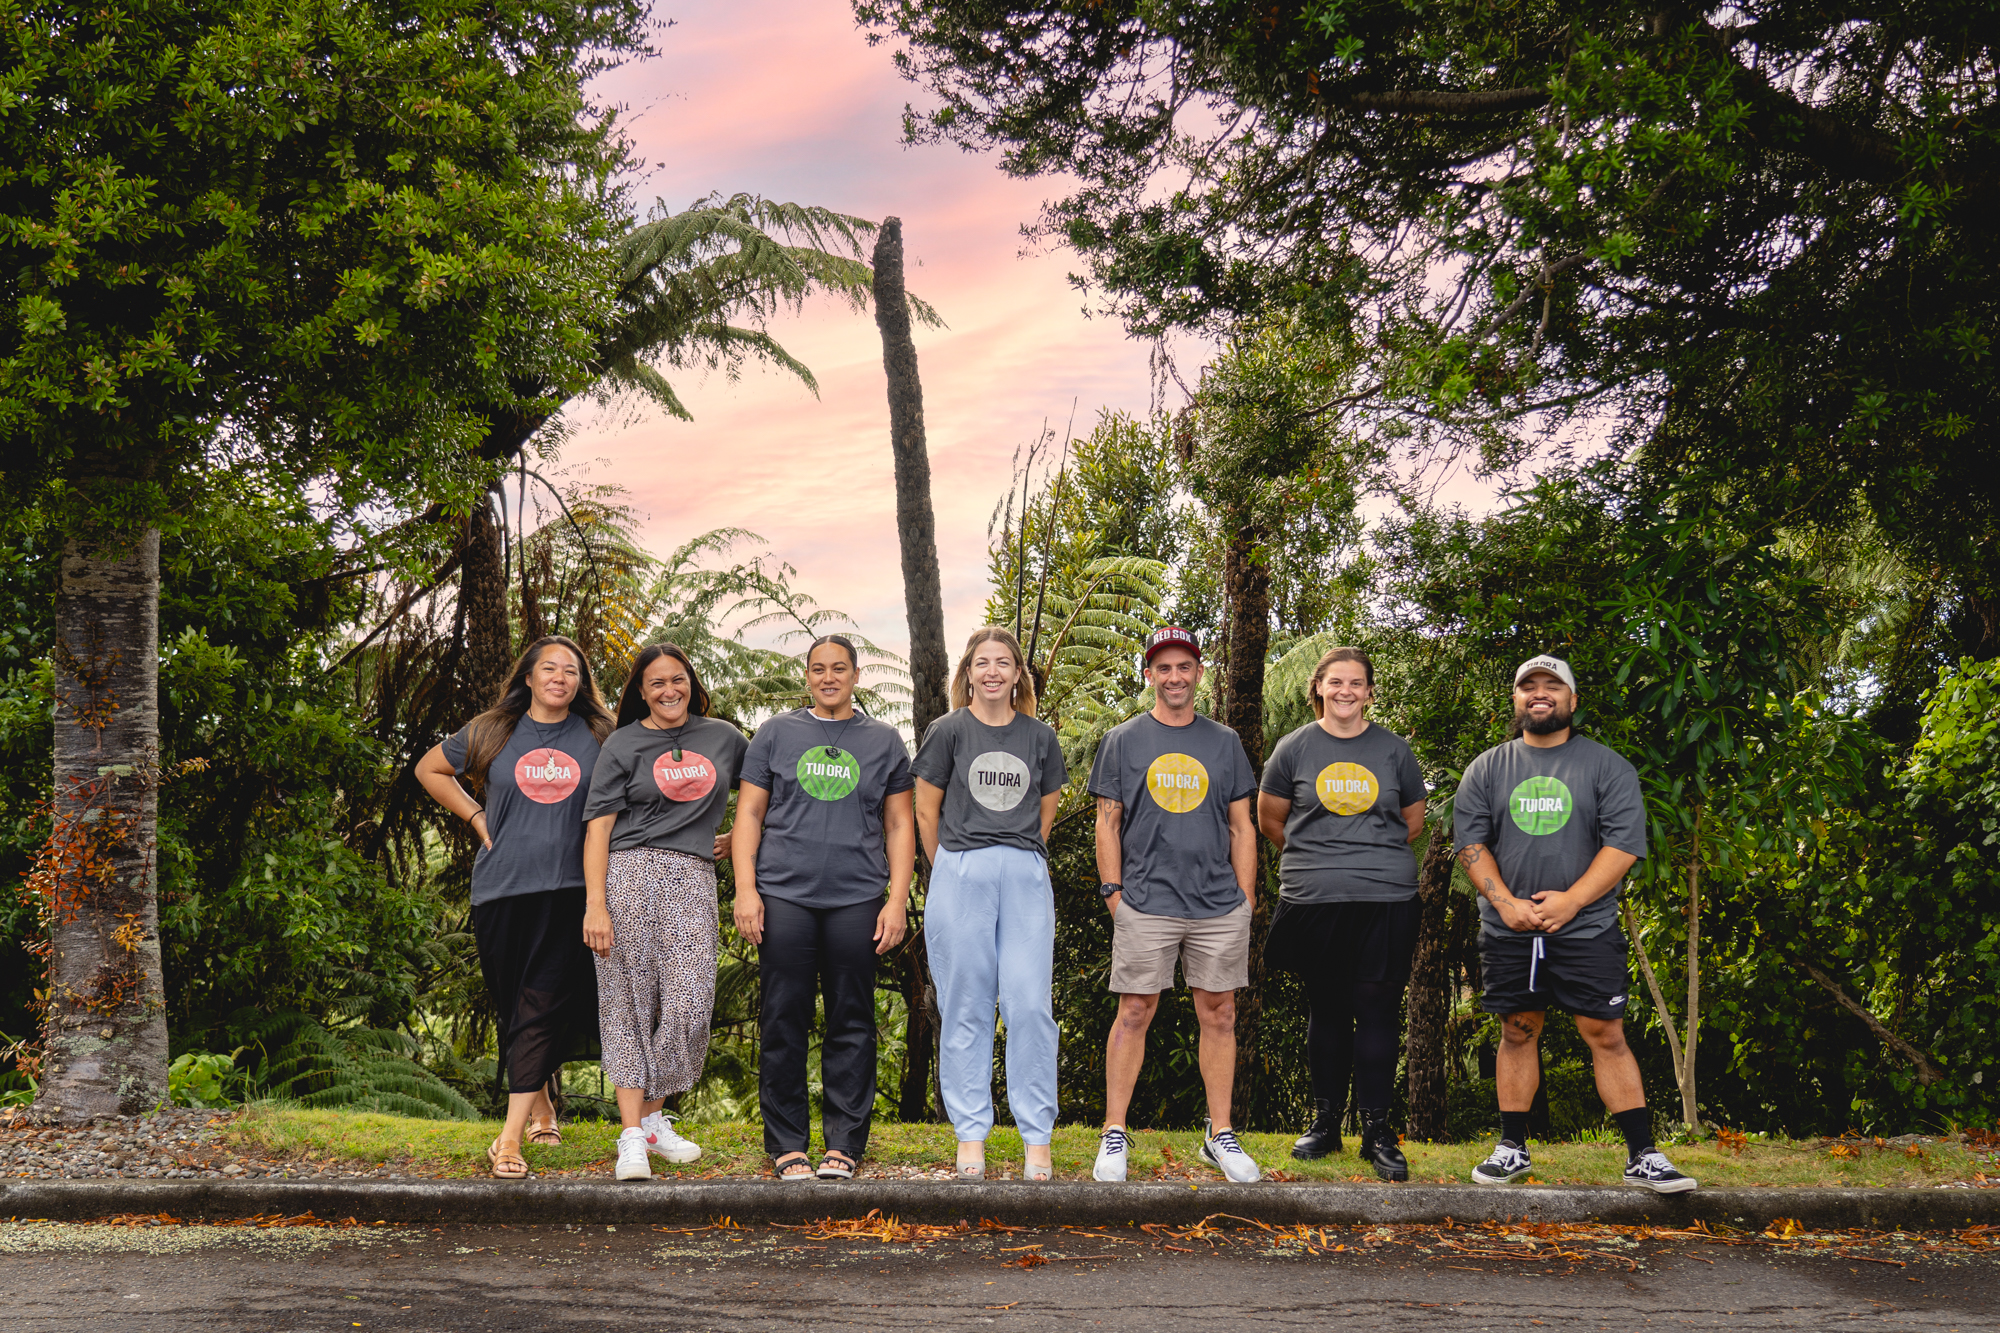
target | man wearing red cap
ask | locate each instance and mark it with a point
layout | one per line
(1177, 854)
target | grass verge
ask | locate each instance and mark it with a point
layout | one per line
(735, 1148)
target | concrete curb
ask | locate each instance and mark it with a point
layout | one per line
(1017, 1203)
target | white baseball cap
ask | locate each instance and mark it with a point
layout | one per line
(1555, 666)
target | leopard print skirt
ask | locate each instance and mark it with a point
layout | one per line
(656, 990)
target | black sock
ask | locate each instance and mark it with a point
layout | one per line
(1514, 1128)
(1637, 1127)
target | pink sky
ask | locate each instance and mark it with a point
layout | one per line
(785, 98)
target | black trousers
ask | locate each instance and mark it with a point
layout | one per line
(542, 979)
(808, 954)
(1354, 960)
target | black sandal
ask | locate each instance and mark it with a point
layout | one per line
(836, 1165)
(793, 1177)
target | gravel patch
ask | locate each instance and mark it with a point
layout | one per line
(176, 1143)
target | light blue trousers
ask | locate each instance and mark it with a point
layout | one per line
(990, 932)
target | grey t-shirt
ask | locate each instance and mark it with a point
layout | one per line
(993, 778)
(534, 796)
(1345, 839)
(1176, 784)
(1545, 814)
(673, 804)
(823, 844)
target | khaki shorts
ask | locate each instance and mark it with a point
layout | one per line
(1214, 952)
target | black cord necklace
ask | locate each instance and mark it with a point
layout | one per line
(833, 751)
(674, 739)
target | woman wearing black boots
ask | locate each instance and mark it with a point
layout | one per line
(1343, 800)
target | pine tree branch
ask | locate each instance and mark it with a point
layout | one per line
(1441, 102)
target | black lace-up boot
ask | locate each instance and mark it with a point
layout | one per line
(1324, 1136)
(1378, 1146)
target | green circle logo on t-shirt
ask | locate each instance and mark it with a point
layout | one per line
(827, 776)
(1540, 805)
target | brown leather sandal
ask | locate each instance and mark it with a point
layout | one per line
(506, 1163)
(545, 1136)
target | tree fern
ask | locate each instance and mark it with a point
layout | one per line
(352, 1069)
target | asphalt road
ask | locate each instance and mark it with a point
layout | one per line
(553, 1279)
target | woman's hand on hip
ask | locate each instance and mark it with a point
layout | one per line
(478, 822)
(749, 915)
(597, 929)
(890, 926)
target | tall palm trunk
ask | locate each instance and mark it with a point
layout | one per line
(489, 640)
(1247, 584)
(105, 1032)
(1427, 1004)
(923, 597)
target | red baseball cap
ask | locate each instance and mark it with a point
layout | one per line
(1172, 636)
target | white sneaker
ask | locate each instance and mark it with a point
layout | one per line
(1112, 1150)
(632, 1162)
(662, 1139)
(1226, 1155)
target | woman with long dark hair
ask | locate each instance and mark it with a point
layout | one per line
(658, 798)
(989, 778)
(530, 758)
(823, 825)
(1343, 799)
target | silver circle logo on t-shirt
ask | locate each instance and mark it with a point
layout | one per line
(998, 780)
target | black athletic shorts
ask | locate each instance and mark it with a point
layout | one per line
(1523, 973)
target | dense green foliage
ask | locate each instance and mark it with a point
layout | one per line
(1762, 237)
(307, 234)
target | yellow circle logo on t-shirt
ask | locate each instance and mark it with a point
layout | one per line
(1177, 783)
(1346, 789)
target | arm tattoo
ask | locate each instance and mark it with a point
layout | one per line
(1485, 886)
(1108, 808)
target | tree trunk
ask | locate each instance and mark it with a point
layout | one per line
(916, 526)
(1690, 1111)
(105, 1029)
(923, 599)
(1427, 1005)
(1247, 585)
(489, 639)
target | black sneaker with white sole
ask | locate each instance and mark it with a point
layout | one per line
(1652, 1170)
(1508, 1164)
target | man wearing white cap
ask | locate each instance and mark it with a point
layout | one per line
(1547, 825)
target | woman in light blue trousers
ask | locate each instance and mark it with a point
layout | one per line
(989, 777)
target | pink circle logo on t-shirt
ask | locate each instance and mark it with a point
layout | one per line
(688, 778)
(547, 776)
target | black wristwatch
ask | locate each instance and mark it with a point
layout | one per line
(1106, 890)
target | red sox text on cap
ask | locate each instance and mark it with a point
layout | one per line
(1172, 636)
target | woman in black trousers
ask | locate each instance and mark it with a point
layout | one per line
(824, 824)
(1343, 799)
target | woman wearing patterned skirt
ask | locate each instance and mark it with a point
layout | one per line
(659, 795)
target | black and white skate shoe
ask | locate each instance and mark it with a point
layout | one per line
(1652, 1169)
(1507, 1165)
